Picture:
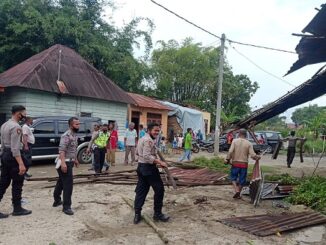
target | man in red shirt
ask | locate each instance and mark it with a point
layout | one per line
(112, 144)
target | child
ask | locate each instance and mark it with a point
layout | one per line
(163, 145)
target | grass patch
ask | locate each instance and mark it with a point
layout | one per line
(284, 179)
(310, 192)
(216, 163)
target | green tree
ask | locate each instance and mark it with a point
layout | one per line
(276, 123)
(306, 113)
(30, 26)
(316, 124)
(187, 73)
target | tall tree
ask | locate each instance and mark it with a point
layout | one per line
(300, 115)
(30, 26)
(187, 73)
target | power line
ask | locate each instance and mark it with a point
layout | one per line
(260, 68)
(214, 35)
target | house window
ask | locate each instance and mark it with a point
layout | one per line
(85, 114)
(154, 118)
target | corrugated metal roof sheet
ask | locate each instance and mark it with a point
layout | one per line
(201, 176)
(78, 76)
(147, 102)
(265, 225)
(312, 48)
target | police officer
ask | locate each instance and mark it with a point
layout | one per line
(100, 140)
(148, 175)
(12, 165)
(67, 155)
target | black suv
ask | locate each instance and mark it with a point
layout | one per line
(271, 138)
(48, 130)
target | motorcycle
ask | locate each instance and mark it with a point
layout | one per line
(195, 147)
(206, 146)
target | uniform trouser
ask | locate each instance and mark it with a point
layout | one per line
(110, 156)
(149, 176)
(10, 172)
(65, 184)
(290, 155)
(99, 158)
(28, 156)
(130, 149)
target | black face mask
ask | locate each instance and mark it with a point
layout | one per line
(22, 118)
(105, 131)
(75, 130)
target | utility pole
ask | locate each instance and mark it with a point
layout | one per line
(219, 97)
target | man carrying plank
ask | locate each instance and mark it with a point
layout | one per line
(148, 175)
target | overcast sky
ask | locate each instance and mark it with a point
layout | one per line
(269, 23)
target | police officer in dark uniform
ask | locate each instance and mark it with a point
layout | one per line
(12, 165)
(148, 175)
(67, 157)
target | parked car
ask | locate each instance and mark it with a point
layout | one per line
(48, 130)
(271, 137)
(258, 148)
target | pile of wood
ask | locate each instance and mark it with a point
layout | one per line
(129, 177)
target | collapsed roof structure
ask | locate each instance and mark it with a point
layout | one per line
(311, 50)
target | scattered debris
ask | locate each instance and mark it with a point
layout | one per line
(280, 204)
(149, 221)
(201, 200)
(265, 225)
(182, 177)
(272, 191)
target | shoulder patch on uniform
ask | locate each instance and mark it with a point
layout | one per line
(19, 131)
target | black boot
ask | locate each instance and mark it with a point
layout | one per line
(161, 217)
(3, 216)
(19, 211)
(137, 218)
(68, 211)
(57, 203)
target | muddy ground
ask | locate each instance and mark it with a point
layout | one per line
(102, 217)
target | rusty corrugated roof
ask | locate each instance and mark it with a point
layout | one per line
(265, 225)
(147, 102)
(78, 77)
(201, 176)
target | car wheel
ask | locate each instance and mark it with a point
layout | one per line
(269, 149)
(210, 149)
(83, 157)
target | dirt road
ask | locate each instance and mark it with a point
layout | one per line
(102, 217)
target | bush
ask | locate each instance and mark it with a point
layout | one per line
(283, 179)
(313, 146)
(310, 192)
(216, 163)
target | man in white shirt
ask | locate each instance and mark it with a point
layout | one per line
(130, 143)
(28, 140)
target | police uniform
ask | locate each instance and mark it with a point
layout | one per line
(68, 145)
(11, 146)
(100, 150)
(148, 176)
